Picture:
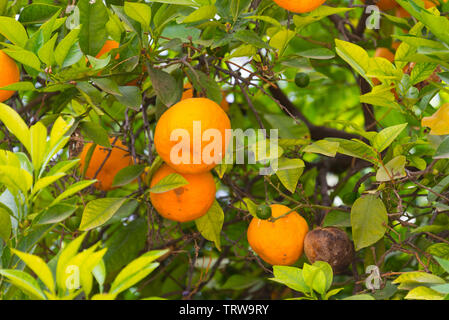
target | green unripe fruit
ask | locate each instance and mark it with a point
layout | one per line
(73, 222)
(263, 212)
(302, 79)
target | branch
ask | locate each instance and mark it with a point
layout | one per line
(316, 132)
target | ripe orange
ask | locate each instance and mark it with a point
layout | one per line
(384, 53)
(185, 203)
(280, 242)
(429, 4)
(395, 45)
(108, 46)
(9, 74)
(191, 149)
(117, 160)
(299, 6)
(188, 93)
(402, 13)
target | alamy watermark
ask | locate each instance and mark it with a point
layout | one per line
(207, 147)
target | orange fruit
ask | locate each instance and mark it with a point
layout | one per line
(395, 45)
(280, 242)
(385, 5)
(429, 4)
(384, 53)
(402, 13)
(108, 46)
(190, 136)
(117, 160)
(185, 203)
(9, 74)
(188, 93)
(299, 6)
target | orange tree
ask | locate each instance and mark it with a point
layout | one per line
(354, 203)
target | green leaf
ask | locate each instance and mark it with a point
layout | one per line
(170, 182)
(240, 282)
(332, 292)
(381, 96)
(25, 282)
(16, 178)
(59, 129)
(55, 214)
(291, 277)
(23, 56)
(360, 297)
(442, 150)
(140, 12)
(444, 263)
(211, 223)
(74, 188)
(203, 13)
(96, 133)
(327, 270)
(438, 25)
(65, 256)
(441, 288)
(13, 30)
(317, 53)
(46, 53)
(442, 185)
(129, 96)
(5, 224)
(37, 13)
(125, 244)
(394, 169)
(99, 211)
(93, 19)
(355, 56)
(281, 39)
(250, 206)
(368, 216)
(165, 85)
(324, 147)
(14, 123)
(39, 267)
(38, 135)
(356, 148)
(316, 15)
(414, 279)
(314, 278)
(128, 175)
(202, 82)
(386, 137)
(136, 271)
(421, 72)
(289, 171)
(178, 2)
(46, 181)
(63, 48)
(424, 293)
(245, 50)
(20, 86)
(251, 37)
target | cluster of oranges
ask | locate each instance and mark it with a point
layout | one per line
(278, 241)
(193, 200)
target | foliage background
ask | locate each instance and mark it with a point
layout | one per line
(252, 51)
